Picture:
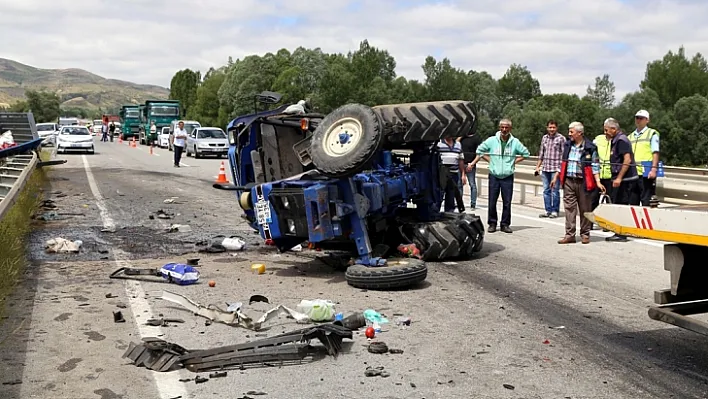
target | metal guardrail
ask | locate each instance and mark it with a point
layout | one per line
(14, 172)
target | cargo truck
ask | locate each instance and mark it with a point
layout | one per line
(130, 121)
(684, 229)
(162, 113)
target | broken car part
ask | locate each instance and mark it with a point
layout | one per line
(158, 355)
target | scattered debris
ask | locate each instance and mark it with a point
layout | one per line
(193, 262)
(258, 268)
(177, 273)
(218, 374)
(162, 322)
(376, 372)
(212, 283)
(374, 317)
(161, 214)
(353, 322)
(62, 245)
(509, 386)
(212, 312)
(13, 382)
(199, 380)
(395, 351)
(403, 321)
(48, 204)
(110, 295)
(158, 355)
(257, 298)
(410, 250)
(256, 393)
(118, 317)
(170, 200)
(317, 310)
(370, 333)
(546, 342)
(179, 228)
(378, 347)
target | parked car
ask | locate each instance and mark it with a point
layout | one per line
(74, 138)
(97, 127)
(163, 139)
(188, 126)
(48, 131)
(207, 141)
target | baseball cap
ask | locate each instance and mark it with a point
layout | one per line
(642, 113)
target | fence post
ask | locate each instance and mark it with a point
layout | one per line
(523, 193)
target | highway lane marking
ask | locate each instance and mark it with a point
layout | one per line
(651, 243)
(168, 384)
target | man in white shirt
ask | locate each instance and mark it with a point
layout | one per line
(180, 141)
(153, 132)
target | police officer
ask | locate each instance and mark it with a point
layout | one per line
(645, 146)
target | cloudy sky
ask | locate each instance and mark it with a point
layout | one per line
(565, 44)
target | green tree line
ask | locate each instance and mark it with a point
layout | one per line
(674, 90)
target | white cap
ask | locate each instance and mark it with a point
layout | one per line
(642, 113)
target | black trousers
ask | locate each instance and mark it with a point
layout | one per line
(178, 154)
(452, 193)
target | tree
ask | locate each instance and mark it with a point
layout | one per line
(603, 94)
(207, 108)
(675, 77)
(44, 105)
(443, 81)
(183, 87)
(518, 84)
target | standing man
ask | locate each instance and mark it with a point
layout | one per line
(603, 143)
(624, 172)
(470, 143)
(502, 151)
(548, 165)
(580, 177)
(645, 146)
(104, 131)
(180, 141)
(153, 131)
(111, 130)
(451, 155)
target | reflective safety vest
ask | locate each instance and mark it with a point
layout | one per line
(603, 152)
(641, 147)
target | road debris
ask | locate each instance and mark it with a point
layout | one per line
(218, 374)
(317, 310)
(509, 386)
(236, 318)
(176, 273)
(162, 322)
(179, 228)
(376, 372)
(118, 317)
(159, 355)
(62, 245)
(378, 347)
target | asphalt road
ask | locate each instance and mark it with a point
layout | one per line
(549, 321)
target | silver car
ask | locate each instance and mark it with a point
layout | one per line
(48, 131)
(207, 141)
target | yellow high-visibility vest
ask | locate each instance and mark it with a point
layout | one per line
(603, 152)
(641, 146)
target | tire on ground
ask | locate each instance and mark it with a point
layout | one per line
(346, 140)
(431, 121)
(398, 273)
(454, 236)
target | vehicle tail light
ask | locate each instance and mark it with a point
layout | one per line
(304, 123)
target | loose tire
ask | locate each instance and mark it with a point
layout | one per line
(398, 273)
(427, 122)
(346, 140)
(454, 236)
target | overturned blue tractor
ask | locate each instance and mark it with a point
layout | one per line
(361, 178)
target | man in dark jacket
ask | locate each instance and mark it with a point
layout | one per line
(469, 149)
(579, 177)
(624, 170)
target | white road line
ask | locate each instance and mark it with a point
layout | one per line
(651, 243)
(168, 385)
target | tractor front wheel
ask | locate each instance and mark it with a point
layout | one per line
(397, 273)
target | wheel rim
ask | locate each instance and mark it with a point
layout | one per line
(342, 137)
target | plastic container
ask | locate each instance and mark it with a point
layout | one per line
(317, 310)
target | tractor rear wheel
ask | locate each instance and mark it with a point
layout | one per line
(397, 273)
(455, 236)
(346, 140)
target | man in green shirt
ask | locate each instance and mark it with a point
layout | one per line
(502, 151)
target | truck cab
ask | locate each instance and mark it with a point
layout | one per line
(160, 112)
(130, 121)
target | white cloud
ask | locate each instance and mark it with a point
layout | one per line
(564, 43)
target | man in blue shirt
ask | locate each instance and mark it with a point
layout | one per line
(452, 158)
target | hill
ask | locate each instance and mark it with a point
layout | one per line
(76, 88)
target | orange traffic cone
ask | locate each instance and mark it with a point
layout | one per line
(222, 174)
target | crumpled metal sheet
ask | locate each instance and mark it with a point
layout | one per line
(236, 318)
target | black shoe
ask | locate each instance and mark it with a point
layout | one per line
(616, 238)
(492, 229)
(506, 229)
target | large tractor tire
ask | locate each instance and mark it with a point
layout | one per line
(398, 273)
(346, 140)
(427, 122)
(455, 236)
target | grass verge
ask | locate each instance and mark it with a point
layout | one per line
(14, 231)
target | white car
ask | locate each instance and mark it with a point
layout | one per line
(97, 127)
(48, 131)
(74, 138)
(207, 141)
(163, 139)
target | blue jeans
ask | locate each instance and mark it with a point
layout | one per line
(473, 187)
(551, 197)
(505, 187)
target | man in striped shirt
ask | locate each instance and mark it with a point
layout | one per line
(453, 159)
(549, 163)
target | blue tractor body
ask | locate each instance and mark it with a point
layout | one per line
(362, 177)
